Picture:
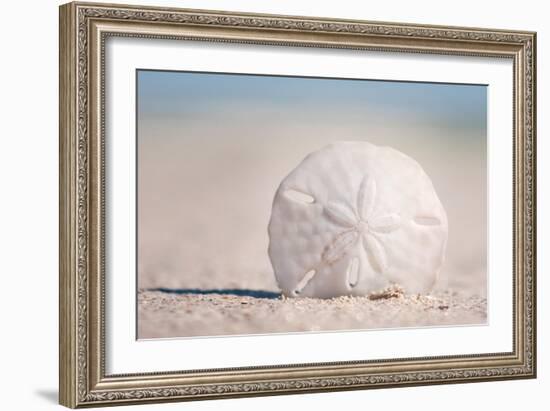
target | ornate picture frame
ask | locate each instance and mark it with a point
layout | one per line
(84, 29)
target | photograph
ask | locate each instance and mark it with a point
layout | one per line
(284, 204)
(256, 203)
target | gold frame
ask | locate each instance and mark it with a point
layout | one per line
(83, 30)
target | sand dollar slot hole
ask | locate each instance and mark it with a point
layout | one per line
(353, 272)
(304, 282)
(299, 197)
(423, 220)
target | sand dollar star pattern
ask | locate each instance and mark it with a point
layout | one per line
(360, 223)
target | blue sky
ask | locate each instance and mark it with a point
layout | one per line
(188, 95)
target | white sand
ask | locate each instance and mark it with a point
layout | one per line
(204, 204)
(166, 314)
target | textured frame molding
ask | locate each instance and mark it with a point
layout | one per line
(83, 30)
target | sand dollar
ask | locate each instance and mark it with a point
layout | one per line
(353, 218)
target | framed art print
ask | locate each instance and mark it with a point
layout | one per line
(260, 204)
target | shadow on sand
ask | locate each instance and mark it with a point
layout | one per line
(241, 292)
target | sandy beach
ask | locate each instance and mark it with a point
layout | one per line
(205, 188)
(218, 240)
(236, 312)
